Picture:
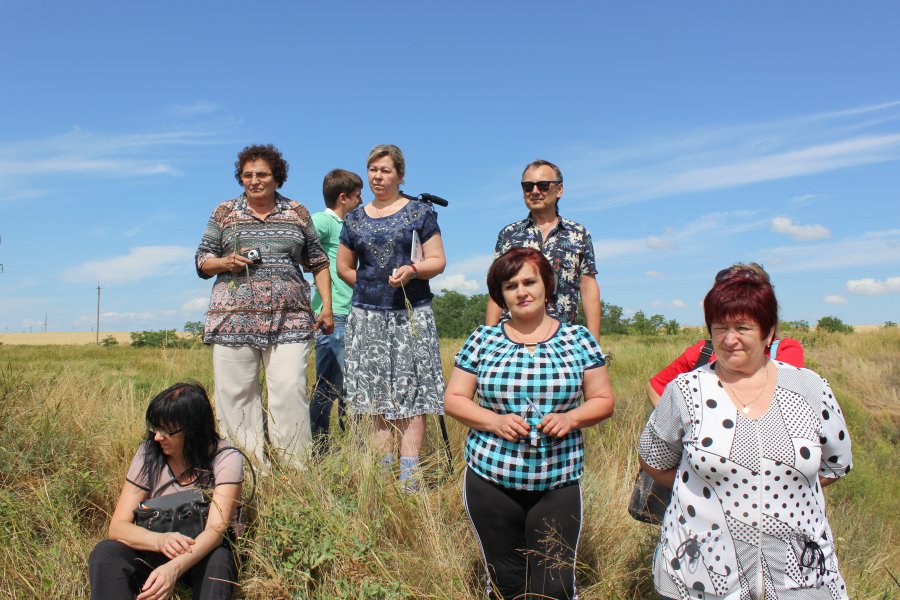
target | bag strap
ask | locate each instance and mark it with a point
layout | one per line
(705, 354)
(212, 458)
(773, 349)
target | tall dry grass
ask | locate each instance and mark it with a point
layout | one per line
(71, 417)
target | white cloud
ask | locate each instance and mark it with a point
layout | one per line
(654, 274)
(656, 304)
(730, 156)
(801, 233)
(456, 283)
(140, 263)
(677, 304)
(803, 199)
(124, 317)
(197, 304)
(871, 248)
(835, 299)
(873, 287)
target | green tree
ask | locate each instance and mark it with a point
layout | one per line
(795, 325)
(833, 324)
(193, 327)
(457, 315)
(672, 327)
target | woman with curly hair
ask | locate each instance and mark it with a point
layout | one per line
(259, 311)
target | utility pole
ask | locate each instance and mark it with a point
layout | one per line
(98, 313)
(45, 322)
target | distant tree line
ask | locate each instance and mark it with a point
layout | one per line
(457, 315)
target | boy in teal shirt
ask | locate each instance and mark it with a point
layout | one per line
(342, 191)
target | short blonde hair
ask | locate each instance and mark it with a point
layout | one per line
(382, 150)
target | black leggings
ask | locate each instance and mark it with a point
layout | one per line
(116, 571)
(528, 538)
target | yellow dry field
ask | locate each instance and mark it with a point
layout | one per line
(74, 338)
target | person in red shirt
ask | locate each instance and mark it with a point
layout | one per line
(787, 350)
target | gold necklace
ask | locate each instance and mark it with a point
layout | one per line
(530, 344)
(745, 406)
(380, 213)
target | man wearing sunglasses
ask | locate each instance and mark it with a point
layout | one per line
(566, 244)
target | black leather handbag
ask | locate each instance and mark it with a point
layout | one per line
(649, 500)
(184, 512)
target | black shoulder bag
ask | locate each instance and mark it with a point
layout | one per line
(184, 512)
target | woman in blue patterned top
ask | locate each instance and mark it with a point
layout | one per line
(393, 365)
(525, 448)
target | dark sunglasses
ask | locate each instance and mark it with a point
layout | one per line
(527, 186)
(729, 273)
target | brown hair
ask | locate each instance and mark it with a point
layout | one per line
(337, 182)
(268, 153)
(509, 263)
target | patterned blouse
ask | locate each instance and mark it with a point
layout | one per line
(747, 510)
(271, 305)
(570, 251)
(512, 380)
(383, 244)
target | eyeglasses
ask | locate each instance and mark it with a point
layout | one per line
(249, 175)
(163, 433)
(536, 438)
(527, 186)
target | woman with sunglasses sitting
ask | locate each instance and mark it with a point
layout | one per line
(525, 450)
(747, 445)
(182, 451)
(786, 350)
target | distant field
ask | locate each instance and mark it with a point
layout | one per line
(74, 338)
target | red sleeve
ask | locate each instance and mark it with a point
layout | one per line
(790, 351)
(682, 364)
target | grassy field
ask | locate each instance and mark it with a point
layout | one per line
(72, 416)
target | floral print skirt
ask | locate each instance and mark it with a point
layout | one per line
(393, 365)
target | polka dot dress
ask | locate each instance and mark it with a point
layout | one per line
(747, 511)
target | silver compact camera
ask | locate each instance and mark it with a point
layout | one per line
(253, 255)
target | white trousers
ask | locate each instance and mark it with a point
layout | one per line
(239, 408)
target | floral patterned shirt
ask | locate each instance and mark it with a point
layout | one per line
(570, 251)
(270, 305)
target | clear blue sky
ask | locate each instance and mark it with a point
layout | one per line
(691, 135)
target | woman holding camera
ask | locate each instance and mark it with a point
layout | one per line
(525, 448)
(182, 451)
(259, 310)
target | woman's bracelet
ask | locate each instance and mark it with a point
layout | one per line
(415, 271)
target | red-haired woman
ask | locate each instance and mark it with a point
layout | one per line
(525, 448)
(748, 445)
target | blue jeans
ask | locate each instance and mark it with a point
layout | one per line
(329, 382)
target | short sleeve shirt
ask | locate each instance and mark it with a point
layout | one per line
(271, 304)
(383, 244)
(328, 227)
(512, 380)
(747, 496)
(570, 251)
(228, 468)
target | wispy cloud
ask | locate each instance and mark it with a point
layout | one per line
(872, 248)
(734, 155)
(140, 263)
(464, 276)
(93, 154)
(195, 109)
(835, 299)
(456, 283)
(677, 303)
(196, 304)
(801, 233)
(654, 274)
(873, 287)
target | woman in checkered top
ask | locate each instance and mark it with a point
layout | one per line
(525, 451)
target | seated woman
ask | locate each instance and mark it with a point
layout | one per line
(786, 350)
(525, 448)
(182, 451)
(749, 444)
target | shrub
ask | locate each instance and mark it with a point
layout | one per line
(833, 324)
(795, 325)
(109, 341)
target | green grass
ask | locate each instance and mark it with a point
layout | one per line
(71, 418)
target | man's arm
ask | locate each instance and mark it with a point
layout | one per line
(590, 302)
(493, 313)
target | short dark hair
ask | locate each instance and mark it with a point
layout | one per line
(185, 407)
(744, 295)
(268, 153)
(543, 163)
(337, 182)
(510, 263)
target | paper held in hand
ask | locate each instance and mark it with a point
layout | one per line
(416, 254)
